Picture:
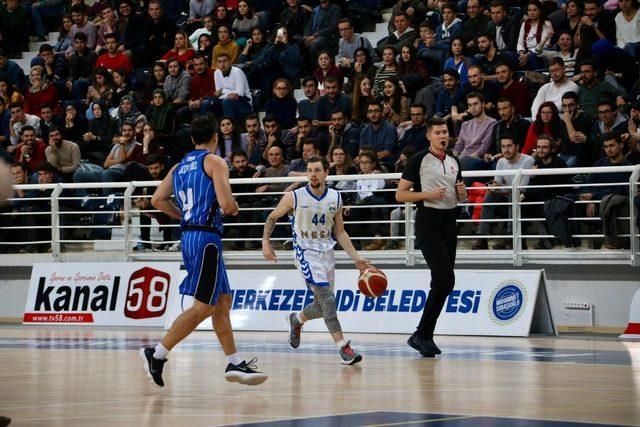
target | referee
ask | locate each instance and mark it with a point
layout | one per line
(436, 179)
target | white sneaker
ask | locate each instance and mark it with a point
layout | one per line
(174, 248)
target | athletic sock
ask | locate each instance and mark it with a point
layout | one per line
(299, 318)
(161, 352)
(234, 359)
(341, 344)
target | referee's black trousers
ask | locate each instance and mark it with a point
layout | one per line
(437, 235)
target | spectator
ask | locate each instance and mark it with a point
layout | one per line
(610, 123)
(101, 87)
(11, 72)
(282, 59)
(415, 135)
(51, 9)
(342, 164)
(155, 170)
(389, 69)
(245, 21)
(478, 82)
(412, 71)
(155, 81)
(40, 92)
(475, 136)
(298, 167)
(199, 10)
(48, 120)
(566, 52)
(343, 133)
(403, 35)
(161, 115)
(553, 91)
(476, 22)
(80, 68)
(331, 100)
(282, 105)
(276, 168)
(347, 45)
(488, 54)
(151, 144)
(365, 196)
(13, 22)
(593, 89)
(206, 29)
(96, 142)
(322, 27)
(510, 123)
(399, 213)
(511, 159)
(9, 93)
(225, 45)
(577, 152)
(547, 158)
(158, 35)
(595, 18)
(450, 98)
(176, 85)
(127, 112)
(414, 9)
(240, 168)
(326, 68)
(228, 138)
(571, 23)
(395, 104)
(113, 59)
(182, 50)
(121, 86)
(201, 90)
(532, 31)
(307, 106)
(232, 94)
(75, 125)
(81, 24)
(125, 150)
(18, 120)
(64, 40)
(108, 25)
(628, 27)
(548, 122)
(362, 97)
(305, 129)
(451, 27)
(516, 91)
(39, 225)
(62, 154)
(128, 28)
(427, 49)
(379, 135)
(252, 60)
(31, 150)
(254, 139)
(53, 68)
(14, 235)
(295, 18)
(503, 29)
(611, 207)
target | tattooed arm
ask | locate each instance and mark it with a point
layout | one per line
(285, 205)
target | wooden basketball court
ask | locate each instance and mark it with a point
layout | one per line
(93, 377)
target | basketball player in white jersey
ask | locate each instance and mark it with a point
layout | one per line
(317, 225)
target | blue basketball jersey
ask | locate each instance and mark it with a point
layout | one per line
(195, 193)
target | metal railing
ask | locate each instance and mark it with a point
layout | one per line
(72, 223)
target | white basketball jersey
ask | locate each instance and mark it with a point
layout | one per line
(312, 221)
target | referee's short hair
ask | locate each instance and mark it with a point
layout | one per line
(320, 159)
(435, 121)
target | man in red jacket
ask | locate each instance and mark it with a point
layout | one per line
(31, 151)
(201, 90)
(113, 60)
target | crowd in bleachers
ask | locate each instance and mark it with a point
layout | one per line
(520, 84)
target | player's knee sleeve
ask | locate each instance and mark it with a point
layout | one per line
(313, 310)
(326, 299)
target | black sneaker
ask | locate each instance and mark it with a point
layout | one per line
(4, 421)
(426, 347)
(295, 328)
(245, 373)
(153, 367)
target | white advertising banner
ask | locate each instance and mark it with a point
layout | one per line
(110, 294)
(484, 302)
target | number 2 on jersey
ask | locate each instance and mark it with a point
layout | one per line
(315, 220)
(187, 202)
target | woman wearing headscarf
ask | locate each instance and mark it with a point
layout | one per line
(161, 116)
(127, 111)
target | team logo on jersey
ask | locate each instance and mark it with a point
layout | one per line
(333, 208)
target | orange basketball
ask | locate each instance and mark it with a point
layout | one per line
(372, 282)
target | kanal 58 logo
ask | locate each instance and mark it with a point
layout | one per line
(147, 294)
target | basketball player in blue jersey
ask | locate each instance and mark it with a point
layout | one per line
(317, 224)
(200, 183)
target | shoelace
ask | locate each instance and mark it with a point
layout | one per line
(251, 364)
(348, 350)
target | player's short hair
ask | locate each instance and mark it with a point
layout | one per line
(203, 128)
(435, 121)
(315, 159)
